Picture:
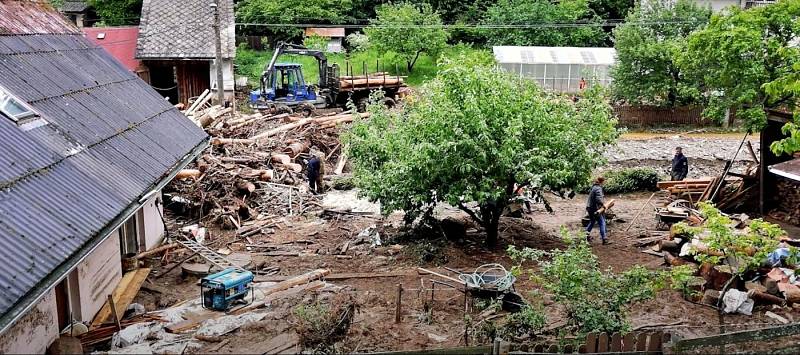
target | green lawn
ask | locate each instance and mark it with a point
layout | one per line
(251, 63)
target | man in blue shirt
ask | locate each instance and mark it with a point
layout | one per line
(594, 203)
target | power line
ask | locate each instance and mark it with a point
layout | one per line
(606, 23)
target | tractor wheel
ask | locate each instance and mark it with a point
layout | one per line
(279, 109)
(307, 109)
(389, 102)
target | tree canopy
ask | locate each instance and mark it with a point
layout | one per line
(117, 12)
(647, 44)
(291, 12)
(543, 13)
(739, 52)
(407, 30)
(470, 135)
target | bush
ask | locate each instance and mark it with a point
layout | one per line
(358, 42)
(320, 326)
(594, 300)
(628, 180)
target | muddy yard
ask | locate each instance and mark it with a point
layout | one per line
(330, 240)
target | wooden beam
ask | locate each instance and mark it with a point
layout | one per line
(738, 337)
(122, 296)
(340, 276)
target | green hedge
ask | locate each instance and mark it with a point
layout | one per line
(628, 180)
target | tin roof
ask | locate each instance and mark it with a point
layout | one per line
(788, 169)
(330, 32)
(172, 29)
(555, 55)
(103, 139)
(120, 42)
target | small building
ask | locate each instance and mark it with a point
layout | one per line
(779, 177)
(120, 42)
(561, 69)
(177, 45)
(335, 37)
(88, 147)
(78, 12)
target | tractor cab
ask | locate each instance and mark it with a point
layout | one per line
(286, 83)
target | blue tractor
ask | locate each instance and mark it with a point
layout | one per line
(283, 88)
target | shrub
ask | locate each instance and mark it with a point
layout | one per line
(316, 42)
(320, 326)
(358, 42)
(628, 180)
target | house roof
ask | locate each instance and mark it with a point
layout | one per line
(103, 139)
(120, 42)
(788, 169)
(555, 55)
(74, 6)
(325, 31)
(172, 29)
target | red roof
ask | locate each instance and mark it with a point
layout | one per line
(330, 32)
(120, 42)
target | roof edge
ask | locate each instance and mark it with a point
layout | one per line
(32, 297)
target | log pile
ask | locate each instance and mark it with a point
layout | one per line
(255, 167)
(372, 80)
(729, 192)
(788, 209)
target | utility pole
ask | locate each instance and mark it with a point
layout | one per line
(218, 48)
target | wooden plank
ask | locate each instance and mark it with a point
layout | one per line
(616, 342)
(667, 184)
(654, 342)
(340, 276)
(123, 295)
(602, 343)
(739, 337)
(641, 342)
(185, 325)
(591, 343)
(629, 342)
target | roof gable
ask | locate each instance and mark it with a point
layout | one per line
(104, 140)
(172, 29)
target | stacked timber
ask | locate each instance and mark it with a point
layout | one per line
(728, 191)
(369, 81)
(788, 209)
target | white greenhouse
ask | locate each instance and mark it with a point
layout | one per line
(558, 68)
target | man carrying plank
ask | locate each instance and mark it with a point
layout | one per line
(596, 209)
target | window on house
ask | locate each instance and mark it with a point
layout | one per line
(14, 108)
(128, 238)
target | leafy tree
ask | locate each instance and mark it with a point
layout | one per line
(788, 86)
(611, 9)
(647, 45)
(547, 20)
(291, 12)
(117, 12)
(469, 136)
(316, 42)
(407, 30)
(738, 53)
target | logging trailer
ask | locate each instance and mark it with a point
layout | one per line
(283, 88)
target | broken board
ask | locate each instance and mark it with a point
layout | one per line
(123, 295)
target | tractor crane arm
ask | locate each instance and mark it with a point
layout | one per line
(289, 48)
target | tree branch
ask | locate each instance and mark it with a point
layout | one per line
(471, 213)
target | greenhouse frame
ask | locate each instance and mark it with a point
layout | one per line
(558, 68)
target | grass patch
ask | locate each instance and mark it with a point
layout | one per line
(251, 63)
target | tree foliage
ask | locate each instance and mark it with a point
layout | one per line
(470, 135)
(291, 12)
(117, 12)
(738, 53)
(546, 19)
(788, 86)
(421, 31)
(647, 44)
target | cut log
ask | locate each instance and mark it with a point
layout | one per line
(280, 158)
(673, 260)
(188, 173)
(297, 168)
(201, 100)
(157, 250)
(294, 149)
(279, 129)
(670, 245)
(765, 298)
(245, 187)
(376, 81)
(221, 141)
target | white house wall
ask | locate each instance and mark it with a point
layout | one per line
(227, 77)
(34, 332)
(98, 276)
(150, 223)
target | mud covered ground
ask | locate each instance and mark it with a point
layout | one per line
(440, 323)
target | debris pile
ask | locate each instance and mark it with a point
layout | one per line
(737, 262)
(788, 209)
(254, 169)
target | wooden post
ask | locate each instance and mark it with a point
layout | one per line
(398, 303)
(114, 314)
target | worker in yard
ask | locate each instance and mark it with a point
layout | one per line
(680, 165)
(314, 173)
(596, 210)
(582, 84)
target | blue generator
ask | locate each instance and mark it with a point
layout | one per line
(221, 290)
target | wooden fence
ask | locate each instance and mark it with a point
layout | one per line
(660, 116)
(766, 338)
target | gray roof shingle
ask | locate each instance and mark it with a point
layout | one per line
(172, 29)
(74, 6)
(109, 138)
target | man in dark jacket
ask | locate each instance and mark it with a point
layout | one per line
(680, 165)
(593, 205)
(312, 172)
